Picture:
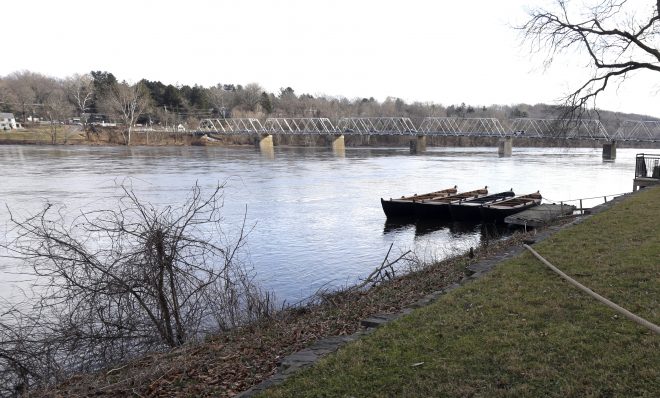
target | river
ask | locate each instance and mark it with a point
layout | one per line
(316, 216)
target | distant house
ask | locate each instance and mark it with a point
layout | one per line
(7, 121)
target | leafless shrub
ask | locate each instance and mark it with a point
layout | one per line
(384, 272)
(113, 284)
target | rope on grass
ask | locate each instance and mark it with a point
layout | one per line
(655, 328)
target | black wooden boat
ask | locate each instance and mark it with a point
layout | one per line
(500, 210)
(468, 209)
(404, 206)
(439, 207)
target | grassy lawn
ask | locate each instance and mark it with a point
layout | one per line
(521, 330)
(41, 135)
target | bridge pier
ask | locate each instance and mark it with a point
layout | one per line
(265, 144)
(418, 145)
(505, 147)
(338, 145)
(609, 150)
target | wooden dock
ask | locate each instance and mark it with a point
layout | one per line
(540, 215)
(643, 182)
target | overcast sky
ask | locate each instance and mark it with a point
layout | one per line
(445, 52)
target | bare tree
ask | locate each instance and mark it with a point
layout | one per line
(250, 96)
(127, 103)
(56, 108)
(20, 92)
(7, 98)
(113, 284)
(41, 85)
(223, 100)
(80, 89)
(618, 37)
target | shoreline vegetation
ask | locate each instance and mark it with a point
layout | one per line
(231, 362)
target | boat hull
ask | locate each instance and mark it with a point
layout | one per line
(404, 207)
(438, 209)
(398, 209)
(465, 212)
(430, 210)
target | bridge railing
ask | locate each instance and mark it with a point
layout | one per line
(647, 166)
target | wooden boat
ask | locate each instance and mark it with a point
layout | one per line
(468, 209)
(403, 206)
(499, 210)
(439, 207)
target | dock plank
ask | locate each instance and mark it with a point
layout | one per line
(540, 215)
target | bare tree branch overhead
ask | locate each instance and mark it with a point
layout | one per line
(618, 37)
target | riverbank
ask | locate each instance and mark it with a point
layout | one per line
(521, 330)
(94, 136)
(232, 362)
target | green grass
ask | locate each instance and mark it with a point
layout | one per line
(521, 330)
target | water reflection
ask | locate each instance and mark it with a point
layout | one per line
(267, 152)
(456, 229)
(339, 152)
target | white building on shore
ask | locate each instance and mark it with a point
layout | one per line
(7, 121)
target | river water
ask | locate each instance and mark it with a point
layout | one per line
(316, 216)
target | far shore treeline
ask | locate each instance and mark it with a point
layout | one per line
(100, 96)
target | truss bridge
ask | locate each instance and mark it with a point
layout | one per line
(436, 126)
(528, 128)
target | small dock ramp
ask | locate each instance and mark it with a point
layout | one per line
(540, 215)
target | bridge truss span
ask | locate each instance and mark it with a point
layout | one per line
(452, 126)
(482, 127)
(298, 126)
(636, 130)
(443, 126)
(585, 129)
(231, 126)
(376, 126)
